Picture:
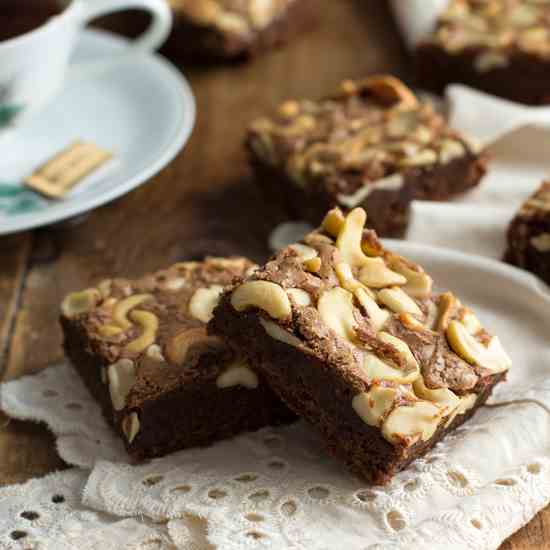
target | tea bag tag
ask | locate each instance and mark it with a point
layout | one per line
(58, 176)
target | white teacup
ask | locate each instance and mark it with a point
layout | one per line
(33, 65)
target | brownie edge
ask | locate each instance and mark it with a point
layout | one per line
(529, 235)
(437, 68)
(296, 379)
(142, 350)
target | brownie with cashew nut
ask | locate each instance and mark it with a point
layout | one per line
(353, 339)
(373, 145)
(499, 46)
(216, 30)
(529, 234)
(142, 349)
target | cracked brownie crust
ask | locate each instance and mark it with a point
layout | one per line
(488, 45)
(374, 144)
(142, 349)
(353, 339)
(529, 235)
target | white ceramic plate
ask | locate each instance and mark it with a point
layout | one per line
(510, 302)
(140, 108)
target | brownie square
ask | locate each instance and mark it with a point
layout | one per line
(374, 144)
(215, 30)
(529, 235)
(352, 338)
(501, 47)
(142, 349)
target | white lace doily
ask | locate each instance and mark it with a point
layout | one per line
(47, 513)
(276, 488)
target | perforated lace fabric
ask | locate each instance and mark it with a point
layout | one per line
(277, 488)
(47, 513)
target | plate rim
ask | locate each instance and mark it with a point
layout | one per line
(181, 135)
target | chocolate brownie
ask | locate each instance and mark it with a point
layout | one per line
(233, 29)
(352, 338)
(373, 145)
(529, 235)
(499, 46)
(142, 349)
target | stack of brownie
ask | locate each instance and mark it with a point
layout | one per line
(335, 329)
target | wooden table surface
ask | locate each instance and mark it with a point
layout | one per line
(203, 203)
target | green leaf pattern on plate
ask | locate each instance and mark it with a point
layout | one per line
(8, 113)
(15, 200)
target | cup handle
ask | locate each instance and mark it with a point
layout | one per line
(152, 38)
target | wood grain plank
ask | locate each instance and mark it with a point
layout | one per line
(26, 450)
(14, 253)
(535, 535)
